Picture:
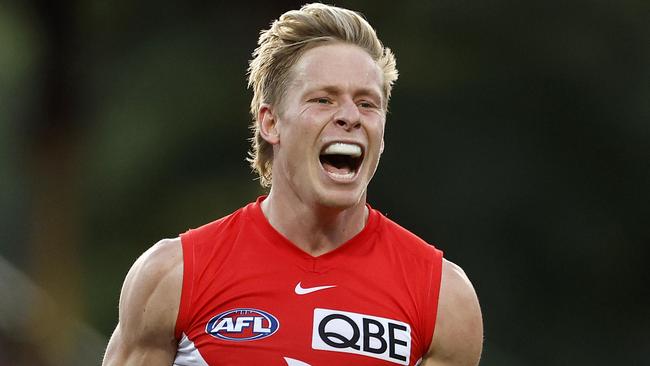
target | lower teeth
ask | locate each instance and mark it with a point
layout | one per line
(342, 175)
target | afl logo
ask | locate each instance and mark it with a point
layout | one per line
(242, 325)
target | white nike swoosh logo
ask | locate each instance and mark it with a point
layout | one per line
(308, 290)
(294, 362)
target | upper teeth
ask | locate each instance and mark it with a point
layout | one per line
(341, 148)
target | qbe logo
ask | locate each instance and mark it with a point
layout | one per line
(242, 325)
(372, 336)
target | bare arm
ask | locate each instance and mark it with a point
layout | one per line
(458, 337)
(148, 309)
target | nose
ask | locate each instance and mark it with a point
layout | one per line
(348, 116)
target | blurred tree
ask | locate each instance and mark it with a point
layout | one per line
(52, 132)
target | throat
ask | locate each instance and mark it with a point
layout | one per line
(314, 231)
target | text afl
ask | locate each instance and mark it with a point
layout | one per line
(242, 325)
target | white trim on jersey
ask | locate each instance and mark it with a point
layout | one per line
(187, 354)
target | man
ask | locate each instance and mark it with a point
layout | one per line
(310, 274)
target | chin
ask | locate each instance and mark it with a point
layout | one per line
(340, 200)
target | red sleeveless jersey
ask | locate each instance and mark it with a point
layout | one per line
(251, 297)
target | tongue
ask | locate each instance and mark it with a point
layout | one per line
(343, 170)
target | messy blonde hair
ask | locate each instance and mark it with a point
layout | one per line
(282, 45)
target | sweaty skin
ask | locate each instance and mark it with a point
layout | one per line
(338, 99)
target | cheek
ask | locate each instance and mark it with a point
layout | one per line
(377, 132)
(376, 137)
(298, 152)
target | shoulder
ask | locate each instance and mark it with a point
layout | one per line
(458, 337)
(407, 240)
(229, 224)
(151, 292)
(148, 308)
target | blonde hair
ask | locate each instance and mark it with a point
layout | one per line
(282, 45)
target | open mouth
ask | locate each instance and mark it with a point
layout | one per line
(341, 160)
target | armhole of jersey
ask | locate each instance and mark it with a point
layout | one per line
(183, 318)
(433, 295)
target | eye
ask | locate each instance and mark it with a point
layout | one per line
(321, 100)
(366, 104)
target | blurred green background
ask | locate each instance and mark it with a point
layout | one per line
(518, 141)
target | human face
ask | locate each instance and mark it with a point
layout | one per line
(330, 127)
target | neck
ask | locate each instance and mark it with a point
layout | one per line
(315, 230)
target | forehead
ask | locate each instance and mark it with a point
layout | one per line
(340, 65)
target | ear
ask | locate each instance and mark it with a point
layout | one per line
(381, 148)
(267, 123)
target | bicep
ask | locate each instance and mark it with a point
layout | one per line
(124, 352)
(458, 337)
(148, 309)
